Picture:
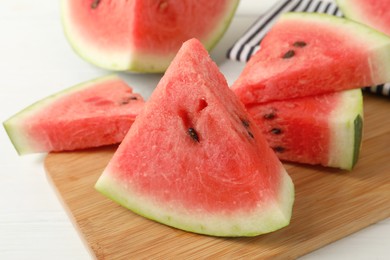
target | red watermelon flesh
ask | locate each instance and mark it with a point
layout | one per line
(91, 114)
(142, 35)
(374, 13)
(195, 160)
(309, 54)
(324, 129)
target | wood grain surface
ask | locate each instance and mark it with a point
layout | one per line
(330, 204)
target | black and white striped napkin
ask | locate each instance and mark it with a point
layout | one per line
(249, 42)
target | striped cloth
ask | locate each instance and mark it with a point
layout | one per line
(249, 42)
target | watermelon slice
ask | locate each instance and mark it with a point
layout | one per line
(94, 113)
(195, 160)
(374, 13)
(142, 35)
(308, 54)
(323, 129)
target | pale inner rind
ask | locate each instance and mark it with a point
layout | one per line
(120, 60)
(263, 219)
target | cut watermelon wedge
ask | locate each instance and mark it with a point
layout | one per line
(374, 13)
(195, 160)
(142, 35)
(309, 54)
(324, 129)
(91, 114)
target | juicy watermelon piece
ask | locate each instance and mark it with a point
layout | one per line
(91, 114)
(142, 35)
(323, 129)
(374, 13)
(308, 54)
(195, 160)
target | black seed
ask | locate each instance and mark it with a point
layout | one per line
(299, 44)
(245, 123)
(127, 100)
(95, 4)
(193, 134)
(279, 149)
(276, 131)
(269, 115)
(288, 54)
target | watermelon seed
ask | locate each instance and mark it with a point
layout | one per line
(276, 131)
(289, 54)
(95, 4)
(278, 149)
(128, 99)
(269, 116)
(299, 44)
(193, 134)
(245, 123)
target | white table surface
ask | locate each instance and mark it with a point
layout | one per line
(36, 61)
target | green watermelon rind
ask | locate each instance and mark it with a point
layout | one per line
(14, 125)
(346, 124)
(265, 219)
(132, 61)
(358, 126)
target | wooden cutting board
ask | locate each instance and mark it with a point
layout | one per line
(330, 204)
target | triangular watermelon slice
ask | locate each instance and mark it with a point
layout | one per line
(195, 160)
(323, 129)
(141, 35)
(308, 54)
(94, 113)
